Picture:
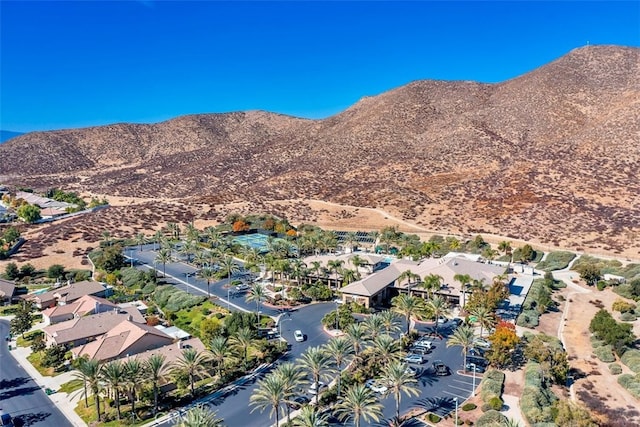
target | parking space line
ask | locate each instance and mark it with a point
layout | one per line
(463, 397)
(467, 389)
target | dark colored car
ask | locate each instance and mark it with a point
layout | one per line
(477, 368)
(298, 402)
(440, 369)
(5, 419)
(477, 361)
(476, 352)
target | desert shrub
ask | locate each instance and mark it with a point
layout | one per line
(615, 369)
(595, 342)
(628, 317)
(537, 399)
(485, 407)
(619, 335)
(433, 418)
(623, 306)
(625, 290)
(556, 261)
(496, 403)
(605, 353)
(631, 358)
(491, 418)
(631, 383)
(528, 319)
(148, 288)
(469, 406)
(491, 385)
(173, 299)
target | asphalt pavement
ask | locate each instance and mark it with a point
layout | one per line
(20, 396)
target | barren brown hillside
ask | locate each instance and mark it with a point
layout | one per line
(551, 156)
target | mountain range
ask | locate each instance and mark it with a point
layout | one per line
(551, 156)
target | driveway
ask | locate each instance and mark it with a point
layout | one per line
(20, 396)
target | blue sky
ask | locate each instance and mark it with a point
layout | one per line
(75, 64)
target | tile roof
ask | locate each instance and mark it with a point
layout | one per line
(85, 327)
(7, 288)
(71, 292)
(85, 304)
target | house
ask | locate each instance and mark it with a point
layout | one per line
(81, 330)
(127, 338)
(383, 285)
(7, 291)
(70, 293)
(48, 213)
(85, 305)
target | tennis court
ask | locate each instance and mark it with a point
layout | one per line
(257, 241)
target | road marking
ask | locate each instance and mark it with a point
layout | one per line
(468, 389)
(463, 397)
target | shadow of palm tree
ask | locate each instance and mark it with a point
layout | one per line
(14, 382)
(27, 420)
(438, 405)
(399, 422)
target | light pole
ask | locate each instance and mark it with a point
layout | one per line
(456, 400)
(473, 366)
(280, 325)
(228, 298)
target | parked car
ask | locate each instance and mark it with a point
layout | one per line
(376, 386)
(440, 369)
(414, 358)
(5, 419)
(482, 343)
(410, 370)
(458, 321)
(315, 388)
(473, 367)
(420, 350)
(477, 360)
(424, 343)
(298, 401)
(442, 320)
(242, 287)
(299, 336)
(476, 352)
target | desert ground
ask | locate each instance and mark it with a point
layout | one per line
(68, 241)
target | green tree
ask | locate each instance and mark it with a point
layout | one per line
(163, 257)
(200, 416)
(11, 271)
(399, 380)
(242, 341)
(270, 393)
(55, 271)
(220, 351)
(27, 270)
(408, 306)
(257, 293)
(359, 402)
(438, 307)
(23, 319)
(11, 235)
(339, 349)
(29, 213)
(590, 273)
(318, 363)
(309, 416)
(156, 367)
(90, 372)
(114, 376)
(292, 376)
(464, 337)
(484, 317)
(134, 374)
(208, 274)
(192, 363)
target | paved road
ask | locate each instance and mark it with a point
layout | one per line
(20, 396)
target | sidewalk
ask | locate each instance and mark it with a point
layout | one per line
(63, 401)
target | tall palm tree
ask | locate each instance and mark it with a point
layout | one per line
(349, 276)
(339, 349)
(334, 266)
(208, 274)
(155, 369)
(114, 376)
(351, 240)
(220, 350)
(374, 325)
(431, 282)
(270, 393)
(409, 307)
(106, 236)
(399, 380)
(174, 230)
(465, 337)
(201, 258)
(390, 321)
(200, 416)
(359, 401)
(90, 372)
(484, 317)
(292, 376)
(189, 248)
(158, 237)
(356, 261)
(141, 239)
(411, 278)
(242, 342)
(228, 266)
(357, 334)
(317, 363)
(193, 364)
(257, 293)
(163, 257)
(309, 416)
(386, 349)
(505, 247)
(438, 307)
(192, 232)
(134, 372)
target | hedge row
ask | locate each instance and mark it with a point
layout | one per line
(528, 319)
(170, 298)
(631, 383)
(491, 385)
(615, 368)
(491, 418)
(537, 399)
(556, 261)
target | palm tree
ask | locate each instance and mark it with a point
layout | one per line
(158, 237)
(359, 401)
(334, 266)
(242, 342)
(390, 321)
(193, 364)
(292, 376)
(106, 236)
(174, 230)
(188, 249)
(90, 372)
(465, 337)
(309, 416)
(484, 317)
(438, 307)
(201, 258)
(220, 351)
(431, 283)
(228, 266)
(357, 334)
(339, 349)
(192, 232)
(399, 380)
(114, 376)
(349, 276)
(505, 247)
(155, 367)
(208, 274)
(200, 416)
(134, 372)
(270, 393)
(386, 349)
(351, 240)
(409, 307)
(356, 261)
(257, 293)
(464, 280)
(163, 257)
(374, 325)
(317, 363)
(410, 276)
(141, 239)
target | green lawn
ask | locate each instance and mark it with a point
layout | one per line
(28, 338)
(71, 386)
(190, 319)
(36, 361)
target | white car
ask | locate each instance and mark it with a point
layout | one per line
(414, 358)
(299, 336)
(424, 343)
(316, 387)
(376, 386)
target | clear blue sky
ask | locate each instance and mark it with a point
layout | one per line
(74, 64)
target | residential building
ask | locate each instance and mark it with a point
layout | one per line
(85, 305)
(81, 330)
(7, 291)
(70, 293)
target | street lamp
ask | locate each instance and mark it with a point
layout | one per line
(455, 399)
(473, 366)
(228, 298)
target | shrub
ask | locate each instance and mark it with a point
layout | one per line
(433, 418)
(491, 418)
(486, 407)
(528, 319)
(631, 383)
(491, 385)
(631, 358)
(469, 406)
(537, 399)
(556, 261)
(623, 306)
(628, 317)
(615, 369)
(605, 353)
(496, 403)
